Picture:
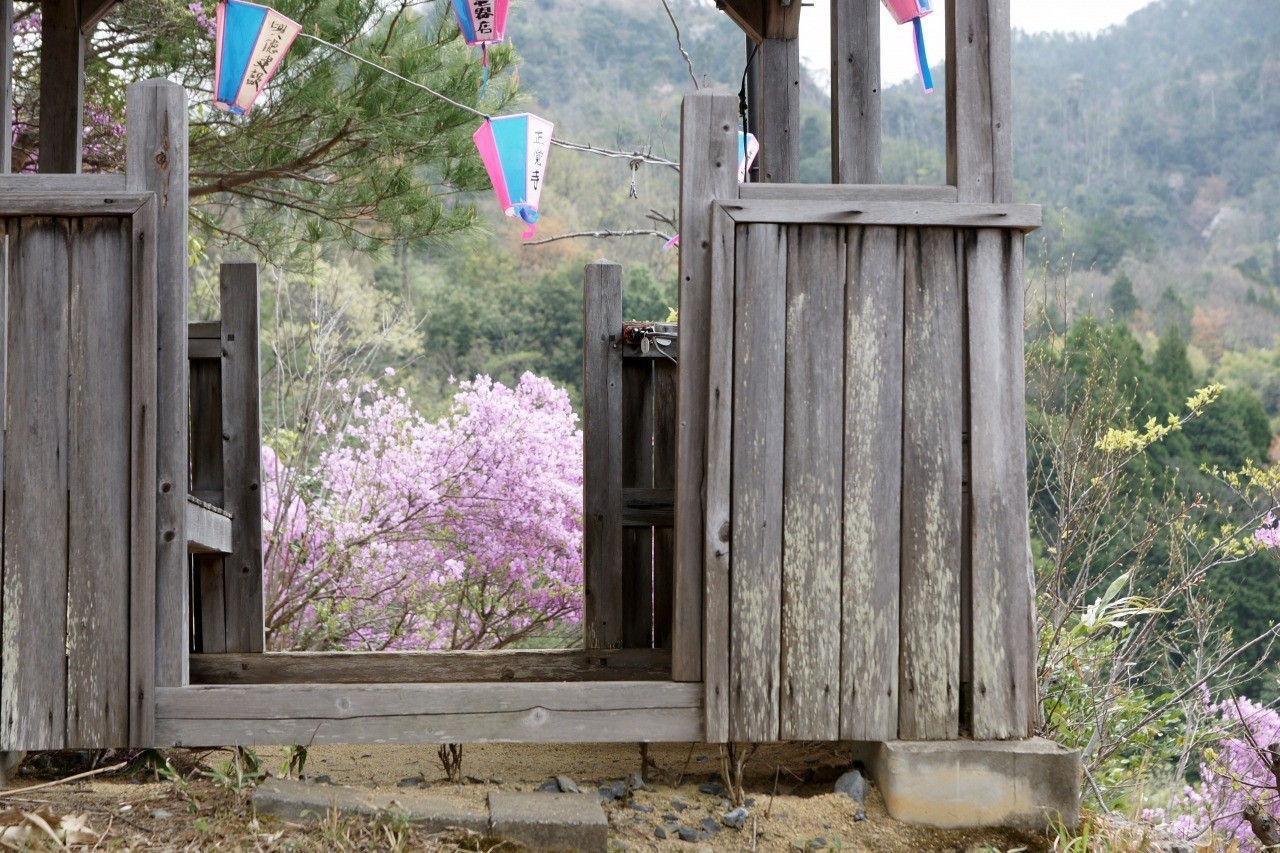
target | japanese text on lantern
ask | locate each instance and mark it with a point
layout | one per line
(482, 14)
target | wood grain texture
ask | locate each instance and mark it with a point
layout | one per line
(709, 152)
(602, 451)
(665, 416)
(778, 112)
(98, 523)
(979, 101)
(851, 193)
(61, 86)
(157, 150)
(33, 182)
(61, 197)
(208, 475)
(33, 691)
(5, 260)
(833, 211)
(812, 482)
(208, 532)
(855, 92)
(431, 713)
(873, 337)
(756, 579)
(142, 479)
(931, 483)
(422, 667)
(636, 462)
(242, 455)
(1004, 644)
(717, 540)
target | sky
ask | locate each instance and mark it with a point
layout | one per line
(898, 58)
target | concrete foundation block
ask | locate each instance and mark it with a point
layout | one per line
(1025, 784)
(549, 821)
(294, 800)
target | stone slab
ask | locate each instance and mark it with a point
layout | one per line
(1026, 784)
(549, 822)
(294, 800)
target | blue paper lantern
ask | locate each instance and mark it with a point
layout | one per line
(251, 41)
(514, 150)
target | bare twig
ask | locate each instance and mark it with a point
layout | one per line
(680, 44)
(606, 232)
(99, 772)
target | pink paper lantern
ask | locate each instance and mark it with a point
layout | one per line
(912, 11)
(251, 41)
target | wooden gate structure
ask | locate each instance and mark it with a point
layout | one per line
(849, 557)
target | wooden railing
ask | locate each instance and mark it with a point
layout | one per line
(224, 507)
(629, 430)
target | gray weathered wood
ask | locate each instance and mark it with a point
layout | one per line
(28, 182)
(620, 711)
(779, 110)
(851, 193)
(157, 152)
(33, 690)
(929, 699)
(602, 436)
(432, 667)
(98, 531)
(242, 455)
(61, 86)
(648, 507)
(6, 87)
(665, 389)
(205, 438)
(813, 464)
(709, 150)
(142, 480)
(208, 532)
(855, 92)
(719, 476)
(756, 579)
(68, 201)
(873, 337)
(979, 101)
(1025, 217)
(636, 464)
(1004, 644)
(4, 421)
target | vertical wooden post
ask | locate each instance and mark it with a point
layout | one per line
(779, 110)
(709, 156)
(61, 86)
(855, 92)
(979, 100)
(242, 454)
(602, 454)
(634, 470)
(208, 483)
(664, 477)
(6, 86)
(157, 156)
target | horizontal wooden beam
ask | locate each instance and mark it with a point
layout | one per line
(33, 182)
(747, 14)
(1022, 217)
(92, 12)
(28, 203)
(432, 666)
(617, 712)
(847, 193)
(208, 530)
(648, 507)
(761, 19)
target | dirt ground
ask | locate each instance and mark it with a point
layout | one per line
(198, 802)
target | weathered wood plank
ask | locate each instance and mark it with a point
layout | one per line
(208, 473)
(208, 532)
(1024, 217)
(851, 193)
(709, 152)
(157, 150)
(602, 453)
(98, 532)
(142, 479)
(33, 693)
(6, 88)
(756, 579)
(813, 466)
(931, 481)
(872, 484)
(648, 507)
(68, 202)
(719, 477)
(242, 455)
(5, 260)
(778, 112)
(204, 349)
(855, 92)
(61, 86)
(205, 330)
(665, 414)
(979, 101)
(425, 667)
(1004, 644)
(93, 183)
(636, 462)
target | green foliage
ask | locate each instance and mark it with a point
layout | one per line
(1122, 298)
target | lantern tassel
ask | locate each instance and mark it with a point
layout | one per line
(484, 63)
(530, 216)
(922, 61)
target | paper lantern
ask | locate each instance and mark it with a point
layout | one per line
(483, 22)
(913, 10)
(514, 150)
(251, 41)
(748, 148)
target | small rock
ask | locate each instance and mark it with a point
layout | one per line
(751, 801)
(736, 818)
(641, 807)
(859, 815)
(687, 834)
(476, 780)
(853, 785)
(494, 780)
(606, 793)
(679, 805)
(549, 788)
(701, 758)
(322, 779)
(618, 789)
(160, 814)
(567, 785)
(659, 832)
(410, 782)
(819, 843)
(670, 817)
(636, 782)
(715, 789)
(709, 825)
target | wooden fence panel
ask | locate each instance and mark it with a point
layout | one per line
(813, 461)
(665, 414)
(637, 472)
(929, 698)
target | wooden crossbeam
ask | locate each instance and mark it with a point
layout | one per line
(762, 19)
